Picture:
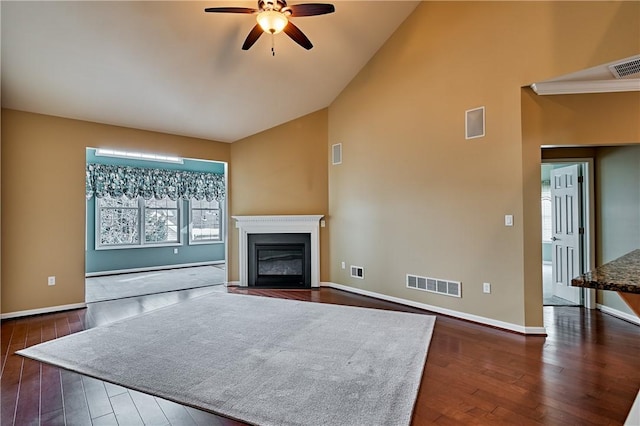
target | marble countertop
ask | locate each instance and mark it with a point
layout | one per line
(621, 274)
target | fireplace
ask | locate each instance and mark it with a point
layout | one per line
(282, 258)
(279, 260)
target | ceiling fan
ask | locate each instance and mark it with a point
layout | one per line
(273, 17)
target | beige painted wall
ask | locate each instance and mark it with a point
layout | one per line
(618, 213)
(281, 171)
(412, 195)
(43, 216)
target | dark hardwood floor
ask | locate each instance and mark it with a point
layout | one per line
(586, 371)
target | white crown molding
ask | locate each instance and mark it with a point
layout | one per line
(580, 87)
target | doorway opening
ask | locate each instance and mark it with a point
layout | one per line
(567, 225)
(154, 223)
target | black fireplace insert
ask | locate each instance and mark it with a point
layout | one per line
(279, 260)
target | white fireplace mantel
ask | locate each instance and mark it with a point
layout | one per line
(279, 224)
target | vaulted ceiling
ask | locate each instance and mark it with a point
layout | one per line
(167, 66)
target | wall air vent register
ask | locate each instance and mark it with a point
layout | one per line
(435, 285)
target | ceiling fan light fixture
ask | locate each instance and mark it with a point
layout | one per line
(271, 21)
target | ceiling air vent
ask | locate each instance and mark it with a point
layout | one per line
(625, 69)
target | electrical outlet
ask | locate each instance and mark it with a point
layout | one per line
(323, 223)
(486, 287)
(175, 251)
(51, 280)
(344, 265)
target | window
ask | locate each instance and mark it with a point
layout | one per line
(204, 221)
(119, 222)
(161, 221)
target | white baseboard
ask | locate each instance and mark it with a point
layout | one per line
(233, 284)
(456, 314)
(39, 311)
(619, 314)
(152, 268)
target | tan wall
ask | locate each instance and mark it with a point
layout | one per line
(412, 195)
(43, 217)
(281, 171)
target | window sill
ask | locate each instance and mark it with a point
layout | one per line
(138, 246)
(202, 243)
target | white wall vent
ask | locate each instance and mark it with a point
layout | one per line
(357, 272)
(435, 285)
(625, 69)
(336, 154)
(474, 123)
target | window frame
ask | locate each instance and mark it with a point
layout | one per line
(142, 243)
(220, 225)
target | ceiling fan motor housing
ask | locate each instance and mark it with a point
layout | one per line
(277, 5)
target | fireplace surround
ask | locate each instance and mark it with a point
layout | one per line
(308, 225)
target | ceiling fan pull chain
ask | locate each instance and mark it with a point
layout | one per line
(273, 44)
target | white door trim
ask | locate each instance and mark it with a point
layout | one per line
(589, 252)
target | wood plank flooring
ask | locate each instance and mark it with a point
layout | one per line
(586, 371)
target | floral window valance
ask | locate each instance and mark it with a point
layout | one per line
(115, 181)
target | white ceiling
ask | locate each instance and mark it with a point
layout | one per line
(170, 67)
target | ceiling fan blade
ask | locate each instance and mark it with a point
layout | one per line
(231, 10)
(253, 36)
(297, 35)
(311, 9)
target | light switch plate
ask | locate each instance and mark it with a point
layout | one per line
(508, 220)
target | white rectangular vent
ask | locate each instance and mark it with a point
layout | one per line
(336, 154)
(357, 272)
(474, 123)
(625, 69)
(435, 285)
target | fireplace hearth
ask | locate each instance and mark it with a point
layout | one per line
(279, 260)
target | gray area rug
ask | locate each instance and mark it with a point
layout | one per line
(260, 360)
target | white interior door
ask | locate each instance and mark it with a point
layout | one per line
(565, 222)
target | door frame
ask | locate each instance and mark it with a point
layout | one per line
(588, 219)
